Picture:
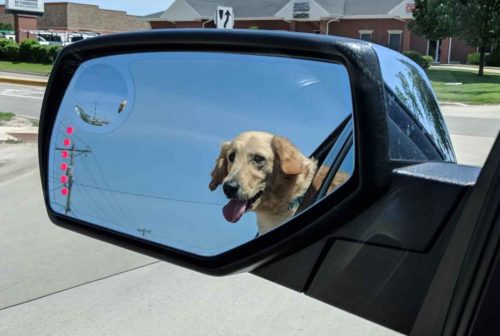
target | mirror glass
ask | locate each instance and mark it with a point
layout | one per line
(200, 151)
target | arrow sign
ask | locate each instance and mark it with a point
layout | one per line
(228, 16)
(224, 17)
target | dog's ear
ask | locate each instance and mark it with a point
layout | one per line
(220, 169)
(289, 156)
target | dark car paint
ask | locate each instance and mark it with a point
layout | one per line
(368, 248)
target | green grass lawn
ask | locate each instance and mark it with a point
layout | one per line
(473, 90)
(30, 67)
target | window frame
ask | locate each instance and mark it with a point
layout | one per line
(366, 32)
(394, 32)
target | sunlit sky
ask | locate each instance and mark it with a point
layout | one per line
(134, 7)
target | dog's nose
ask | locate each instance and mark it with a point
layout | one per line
(231, 188)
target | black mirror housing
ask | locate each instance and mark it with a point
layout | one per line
(373, 164)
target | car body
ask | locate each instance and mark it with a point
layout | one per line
(400, 243)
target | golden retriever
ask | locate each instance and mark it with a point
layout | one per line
(264, 173)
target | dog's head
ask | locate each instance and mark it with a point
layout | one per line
(249, 166)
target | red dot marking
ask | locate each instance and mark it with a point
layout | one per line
(69, 130)
(64, 191)
(64, 154)
(67, 142)
(64, 179)
(64, 166)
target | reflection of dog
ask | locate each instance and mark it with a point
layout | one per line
(264, 173)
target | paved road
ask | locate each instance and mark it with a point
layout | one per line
(54, 282)
(22, 100)
(473, 130)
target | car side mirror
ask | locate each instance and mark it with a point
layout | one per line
(220, 150)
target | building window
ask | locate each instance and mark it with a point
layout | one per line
(365, 35)
(394, 40)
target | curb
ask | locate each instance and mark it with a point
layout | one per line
(32, 73)
(23, 81)
(453, 104)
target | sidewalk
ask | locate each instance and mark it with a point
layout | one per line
(470, 111)
(18, 129)
(495, 70)
(22, 78)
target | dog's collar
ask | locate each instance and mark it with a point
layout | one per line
(295, 203)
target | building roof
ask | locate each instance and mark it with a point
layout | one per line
(244, 8)
(156, 15)
(189, 10)
(369, 7)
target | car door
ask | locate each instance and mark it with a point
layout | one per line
(398, 242)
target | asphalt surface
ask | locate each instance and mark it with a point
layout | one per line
(55, 282)
(23, 100)
(473, 130)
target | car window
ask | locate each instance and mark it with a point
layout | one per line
(344, 173)
(406, 83)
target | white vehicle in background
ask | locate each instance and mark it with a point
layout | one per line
(74, 37)
(47, 37)
(8, 34)
(42, 41)
(61, 38)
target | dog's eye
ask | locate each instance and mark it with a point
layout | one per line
(258, 159)
(231, 157)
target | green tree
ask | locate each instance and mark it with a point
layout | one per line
(479, 24)
(434, 19)
(475, 21)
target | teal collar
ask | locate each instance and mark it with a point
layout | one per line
(295, 203)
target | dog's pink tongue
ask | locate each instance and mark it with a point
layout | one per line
(234, 210)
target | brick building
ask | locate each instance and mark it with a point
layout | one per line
(383, 22)
(67, 16)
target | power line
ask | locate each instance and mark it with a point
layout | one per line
(59, 187)
(98, 207)
(103, 195)
(116, 204)
(149, 196)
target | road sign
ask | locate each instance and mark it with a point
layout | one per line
(224, 17)
(301, 9)
(25, 6)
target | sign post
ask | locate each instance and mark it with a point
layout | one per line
(224, 17)
(25, 15)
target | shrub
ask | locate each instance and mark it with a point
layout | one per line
(12, 52)
(427, 61)
(423, 61)
(3, 45)
(473, 58)
(26, 50)
(40, 54)
(53, 51)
